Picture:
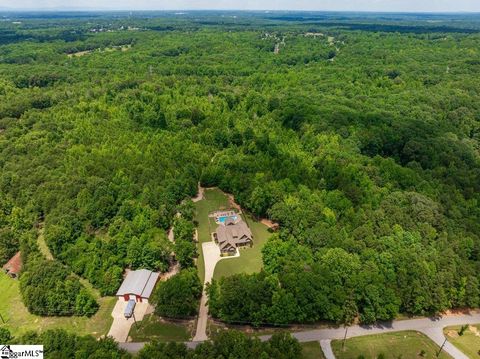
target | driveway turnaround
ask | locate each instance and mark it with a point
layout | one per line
(121, 325)
(211, 255)
(432, 327)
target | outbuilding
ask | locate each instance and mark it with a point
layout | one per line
(138, 285)
(13, 266)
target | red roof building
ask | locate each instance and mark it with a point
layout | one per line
(13, 266)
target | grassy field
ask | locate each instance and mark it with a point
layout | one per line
(312, 350)
(250, 259)
(405, 345)
(153, 327)
(19, 320)
(469, 342)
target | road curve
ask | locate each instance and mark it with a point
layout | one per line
(432, 327)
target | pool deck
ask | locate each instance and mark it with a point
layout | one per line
(216, 215)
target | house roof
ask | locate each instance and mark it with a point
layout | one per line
(233, 234)
(14, 265)
(139, 282)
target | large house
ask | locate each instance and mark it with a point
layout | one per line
(233, 232)
(13, 266)
(138, 285)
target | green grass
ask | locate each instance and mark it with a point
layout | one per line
(153, 327)
(312, 350)
(213, 200)
(42, 245)
(405, 345)
(214, 327)
(250, 260)
(469, 342)
(19, 320)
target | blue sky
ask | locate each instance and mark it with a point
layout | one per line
(342, 5)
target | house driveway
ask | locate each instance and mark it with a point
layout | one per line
(121, 325)
(211, 255)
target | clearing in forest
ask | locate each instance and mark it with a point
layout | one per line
(250, 259)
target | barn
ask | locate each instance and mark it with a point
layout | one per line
(138, 285)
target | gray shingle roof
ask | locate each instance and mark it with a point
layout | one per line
(233, 234)
(139, 282)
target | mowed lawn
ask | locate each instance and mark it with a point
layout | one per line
(19, 320)
(250, 259)
(213, 199)
(312, 350)
(469, 342)
(407, 344)
(153, 327)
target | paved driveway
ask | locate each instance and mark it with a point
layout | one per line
(211, 255)
(121, 326)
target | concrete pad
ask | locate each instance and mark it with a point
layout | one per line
(121, 325)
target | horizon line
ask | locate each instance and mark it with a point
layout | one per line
(226, 9)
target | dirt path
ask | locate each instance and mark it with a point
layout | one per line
(42, 245)
(269, 223)
(174, 269)
(199, 195)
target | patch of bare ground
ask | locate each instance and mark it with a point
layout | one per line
(269, 223)
(452, 334)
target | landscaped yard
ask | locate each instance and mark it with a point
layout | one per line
(19, 320)
(153, 327)
(213, 199)
(250, 259)
(312, 350)
(469, 342)
(405, 345)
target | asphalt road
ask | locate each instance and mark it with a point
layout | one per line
(432, 327)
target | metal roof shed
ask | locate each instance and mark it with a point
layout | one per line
(138, 285)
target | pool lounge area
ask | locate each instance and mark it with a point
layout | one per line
(224, 218)
(221, 216)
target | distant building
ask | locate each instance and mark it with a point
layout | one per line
(13, 266)
(138, 285)
(232, 233)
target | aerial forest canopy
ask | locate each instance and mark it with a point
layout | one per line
(361, 141)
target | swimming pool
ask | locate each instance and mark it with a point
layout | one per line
(224, 218)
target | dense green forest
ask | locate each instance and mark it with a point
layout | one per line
(360, 137)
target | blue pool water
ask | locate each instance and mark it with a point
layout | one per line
(224, 218)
